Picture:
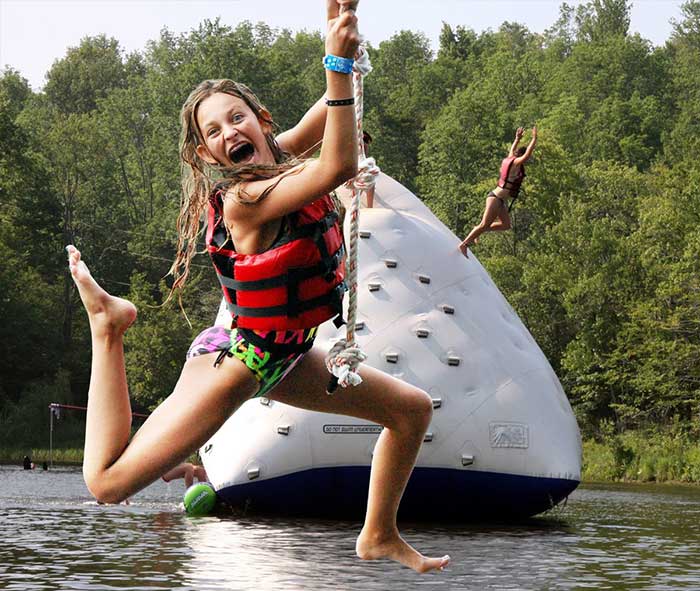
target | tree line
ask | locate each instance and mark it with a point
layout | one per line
(603, 263)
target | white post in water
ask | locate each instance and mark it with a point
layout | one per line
(51, 412)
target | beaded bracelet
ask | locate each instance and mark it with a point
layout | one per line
(340, 102)
(338, 64)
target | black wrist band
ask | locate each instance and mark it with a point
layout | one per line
(340, 102)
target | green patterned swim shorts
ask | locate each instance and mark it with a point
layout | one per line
(270, 355)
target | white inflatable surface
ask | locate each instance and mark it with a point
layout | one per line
(503, 440)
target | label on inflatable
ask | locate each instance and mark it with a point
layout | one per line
(352, 429)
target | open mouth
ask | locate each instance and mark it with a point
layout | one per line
(241, 153)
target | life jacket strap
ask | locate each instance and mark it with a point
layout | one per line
(325, 267)
(334, 298)
(312, 229)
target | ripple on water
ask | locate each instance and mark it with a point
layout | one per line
(611, 537)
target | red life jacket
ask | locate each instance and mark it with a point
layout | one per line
(512, 185)
(297, 283)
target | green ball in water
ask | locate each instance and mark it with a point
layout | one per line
(199, 499)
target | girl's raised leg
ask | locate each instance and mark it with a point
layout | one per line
(491, 212)
(504, 222)
(204, 397)
(108, 423)
(405, 413)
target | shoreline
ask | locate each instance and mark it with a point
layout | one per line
(625, 458)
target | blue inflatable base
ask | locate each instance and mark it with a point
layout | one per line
(437, 494)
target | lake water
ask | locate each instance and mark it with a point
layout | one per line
(53, 536)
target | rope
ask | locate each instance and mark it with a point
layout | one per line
(344, 357)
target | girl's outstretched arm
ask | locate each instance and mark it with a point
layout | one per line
(305, 137)
(516, 141)
(530, 148)
(337, 161)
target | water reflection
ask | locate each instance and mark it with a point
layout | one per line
(610, 537)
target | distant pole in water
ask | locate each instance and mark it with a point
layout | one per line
(52, 409)
(55, 409)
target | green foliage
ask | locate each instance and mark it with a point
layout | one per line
(63, 455)
(646, 455)
(395, 111)
(87, 73)
(29, 343)
(25, 423)
(157, 343)
(601, 19)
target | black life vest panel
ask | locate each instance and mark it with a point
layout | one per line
(297, 283)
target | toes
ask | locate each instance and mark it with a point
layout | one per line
(73, 256)
(432, 564)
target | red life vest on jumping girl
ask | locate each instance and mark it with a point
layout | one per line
(512, 185)
(297, 283)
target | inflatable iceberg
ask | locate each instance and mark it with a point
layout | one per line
(503, 442)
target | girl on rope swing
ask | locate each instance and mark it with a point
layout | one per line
(266, 212)
(509, 181)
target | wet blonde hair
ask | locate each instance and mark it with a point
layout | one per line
(199, 178)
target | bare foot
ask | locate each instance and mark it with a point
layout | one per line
(464, 249)
(395, 548)
(108, 314)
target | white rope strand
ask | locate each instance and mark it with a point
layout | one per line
(344, 357)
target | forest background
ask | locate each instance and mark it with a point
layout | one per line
(603, 264)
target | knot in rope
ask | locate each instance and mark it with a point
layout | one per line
(342, 362)
(367, 173)
(362, 65)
